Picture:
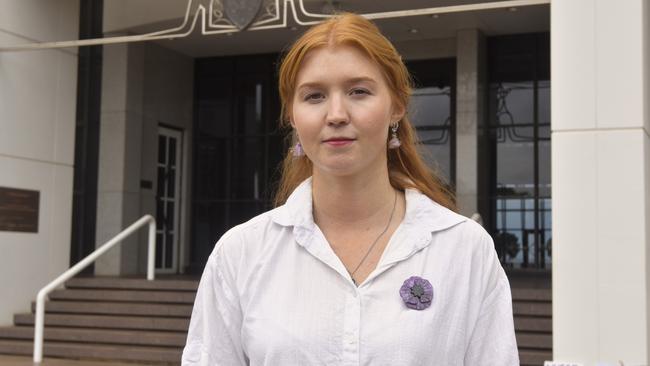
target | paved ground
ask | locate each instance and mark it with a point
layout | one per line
(27, 361)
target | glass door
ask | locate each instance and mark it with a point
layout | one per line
(519, 126)
(168, 199)
(237, 147)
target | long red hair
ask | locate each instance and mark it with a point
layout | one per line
(406, 168)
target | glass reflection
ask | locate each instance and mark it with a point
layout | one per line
(430, 113)
(519, 128)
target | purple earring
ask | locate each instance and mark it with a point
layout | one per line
(298, 151)
(394, 142)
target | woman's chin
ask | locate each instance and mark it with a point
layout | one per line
(338, 170)
(343, 170)
(348, 166)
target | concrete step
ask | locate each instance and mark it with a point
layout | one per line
(116, 308)
(94, 317)
(533, 308)
(533, 324)
(107, 321)
(166, 355)
(169, 297)
(106, 336)
(534, 358)
(530, 294)
(118, 283)
(539, 341)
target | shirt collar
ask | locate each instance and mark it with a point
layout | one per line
(297, 210)
(423, 217)
(422, 213)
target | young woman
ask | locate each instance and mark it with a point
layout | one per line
(363, 262)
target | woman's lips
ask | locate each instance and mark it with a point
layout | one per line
(339, 142)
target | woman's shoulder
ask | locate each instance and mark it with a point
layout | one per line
(249, 237)
(471, 231)
(452, 228)
(443, 221)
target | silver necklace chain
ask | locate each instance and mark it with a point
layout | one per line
(390, 219)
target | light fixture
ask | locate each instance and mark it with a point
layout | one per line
(413, 30)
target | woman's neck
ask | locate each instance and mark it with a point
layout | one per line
(351, 200)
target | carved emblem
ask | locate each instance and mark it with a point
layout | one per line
(242, 12)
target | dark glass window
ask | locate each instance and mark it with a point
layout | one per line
(432, 112)
(519, 131)
(237, 146)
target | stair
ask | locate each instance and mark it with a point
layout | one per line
(135, 320)
(118, 319)
(532, 311)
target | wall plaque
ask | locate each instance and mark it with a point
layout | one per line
(19, 210)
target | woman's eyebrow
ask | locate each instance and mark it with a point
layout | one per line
(354, 80)
(360, 79)
(309, 84)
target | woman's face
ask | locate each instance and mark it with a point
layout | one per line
(342, 110)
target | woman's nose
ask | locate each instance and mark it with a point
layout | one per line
(336, 111)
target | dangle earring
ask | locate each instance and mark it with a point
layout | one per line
(297, 148)
(394, 142)
(298, 151)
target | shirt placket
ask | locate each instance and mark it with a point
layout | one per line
(351, 324)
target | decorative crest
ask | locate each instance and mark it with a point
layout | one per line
(242, 12)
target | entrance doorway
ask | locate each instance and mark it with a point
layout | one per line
(168, 199)
(237, 147)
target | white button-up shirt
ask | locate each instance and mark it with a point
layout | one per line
(274, 293)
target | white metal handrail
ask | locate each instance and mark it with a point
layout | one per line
(42, 294)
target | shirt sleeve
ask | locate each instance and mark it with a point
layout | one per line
(214, 334)
(493, 339)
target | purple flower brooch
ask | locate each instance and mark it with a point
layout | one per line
(417, 293)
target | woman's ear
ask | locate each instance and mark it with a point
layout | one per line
(398, 113)
(289, 120)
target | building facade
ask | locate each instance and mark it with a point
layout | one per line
(187, 130)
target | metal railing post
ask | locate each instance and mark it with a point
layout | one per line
(39, 323)
(39, 326)
(151, 251)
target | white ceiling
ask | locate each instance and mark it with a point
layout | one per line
(142, 16)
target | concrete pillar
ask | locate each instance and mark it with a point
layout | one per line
(38, 94)
(167, 99)
(118, 191)
(470, 74)
(601, 181)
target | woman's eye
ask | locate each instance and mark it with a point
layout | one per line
(313, 97)
(359, 92)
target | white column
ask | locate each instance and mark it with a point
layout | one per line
(601, 181)
(118, 187)
(38, 98)
(469, 72)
